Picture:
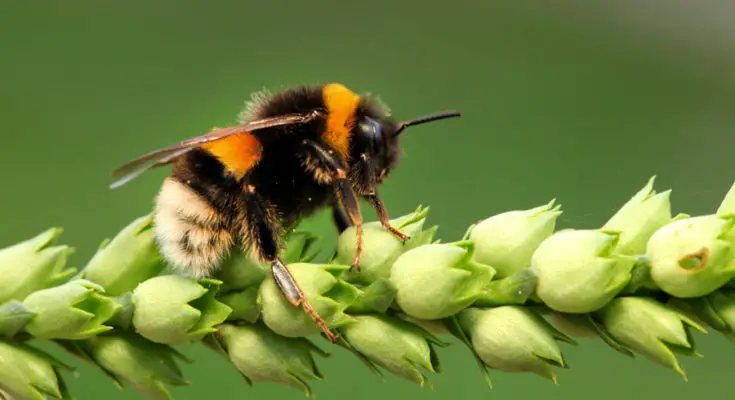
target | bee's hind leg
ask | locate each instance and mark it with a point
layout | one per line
(262, 232)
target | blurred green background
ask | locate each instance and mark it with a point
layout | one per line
(567, 100)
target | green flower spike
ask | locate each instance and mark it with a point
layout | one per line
(639, 218)
(173, 309)
(650, 328)
(327, 294)
(506, 241)
(261, 355)
(129, 358)
(514, 339)
(693, 257)
(438, 280)
(129, 258)
(29, 374)
(579, 271)
(75, 310)
(33, 265)
(380, 247)
(396, 345)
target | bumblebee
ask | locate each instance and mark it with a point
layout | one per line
(294, 152)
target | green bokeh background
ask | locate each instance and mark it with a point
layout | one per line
(567, 100)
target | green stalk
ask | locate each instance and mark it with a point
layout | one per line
(514, 290)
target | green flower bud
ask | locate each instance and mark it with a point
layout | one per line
(639, 218)
(75, 310)
(650, 328)
(128, 358)
(173, 309)
(507, 241)
(693, 257)
(29, 374)
(396, 345)
(261, 355)
(327, 294)
(727, 206)
(33, 265)
(380, 247)
(579, 271)
(131, 257)
(514, 339)
(438, 280)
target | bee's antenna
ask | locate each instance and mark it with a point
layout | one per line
(424, 119)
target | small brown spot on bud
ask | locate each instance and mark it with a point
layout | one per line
(696, 260)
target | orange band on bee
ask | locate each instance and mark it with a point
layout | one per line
(238, 153)
(342, 105)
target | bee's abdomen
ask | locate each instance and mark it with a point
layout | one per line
(192, 235)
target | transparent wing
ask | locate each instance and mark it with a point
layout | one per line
(167, 155)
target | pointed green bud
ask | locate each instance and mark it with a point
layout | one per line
(380, 247)
(131, 257)
(514, 339)
(651, 329)
(727, 206)
(579, 271)
(693, 257)
(125, 357)
(438, 280)
(75, 310)
(30, 374)
(327, 294)
(173, 309)
(639, 218)
(32, 265)
(396, 345)
(507, 241)
(261, 355)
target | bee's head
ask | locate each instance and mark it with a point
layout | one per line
(377, 135)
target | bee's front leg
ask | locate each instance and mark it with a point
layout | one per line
(328, 168)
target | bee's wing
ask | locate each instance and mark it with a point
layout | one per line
(166, 155)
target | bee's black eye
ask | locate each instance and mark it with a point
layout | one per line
(371, 130)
